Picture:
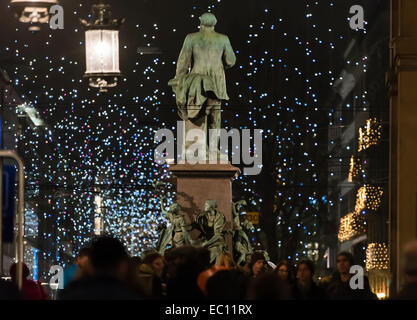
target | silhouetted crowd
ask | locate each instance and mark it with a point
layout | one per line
(106, 272)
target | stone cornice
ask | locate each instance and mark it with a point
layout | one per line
(403, 59)
(404, 54)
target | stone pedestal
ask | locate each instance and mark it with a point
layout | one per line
(200, 182)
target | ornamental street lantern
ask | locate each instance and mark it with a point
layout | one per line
(34, 12)
(102, 48)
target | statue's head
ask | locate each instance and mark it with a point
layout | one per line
(208, 20)
(174, 208)
(210, 205)
(240, 204)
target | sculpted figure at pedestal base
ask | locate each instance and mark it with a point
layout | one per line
(241, 244)
(211, 224)
(175, 235)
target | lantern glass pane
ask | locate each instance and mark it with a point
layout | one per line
(102, 51)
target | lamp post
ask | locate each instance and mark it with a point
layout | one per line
(32, 11)
(102, 48)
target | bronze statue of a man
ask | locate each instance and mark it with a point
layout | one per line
(200, 81)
